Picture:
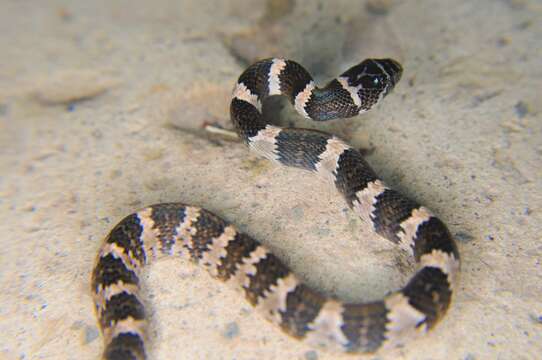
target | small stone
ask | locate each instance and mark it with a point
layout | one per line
(311, 355)
(522, 109)
(91, 333)
(297, 213)
(537, 319)
(379, 7)
(463, 237)
(231, 331)
(503, 41)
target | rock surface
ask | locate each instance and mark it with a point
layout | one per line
(102, 108)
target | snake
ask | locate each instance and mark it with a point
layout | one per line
(275, 292)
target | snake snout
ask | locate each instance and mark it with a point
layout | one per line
(393, 69)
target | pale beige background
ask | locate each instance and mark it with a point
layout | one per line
(101, 111)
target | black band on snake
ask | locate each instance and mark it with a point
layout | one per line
(237, 259)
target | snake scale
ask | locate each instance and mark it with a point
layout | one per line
(237, 259)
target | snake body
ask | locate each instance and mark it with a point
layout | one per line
(237, 259)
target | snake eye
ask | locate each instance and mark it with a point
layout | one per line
(373, 81)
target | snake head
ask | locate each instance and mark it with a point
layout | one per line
(373, 79)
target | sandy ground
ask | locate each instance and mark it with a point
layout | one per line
(101, 112)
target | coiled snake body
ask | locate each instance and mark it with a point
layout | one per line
(236, 258)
